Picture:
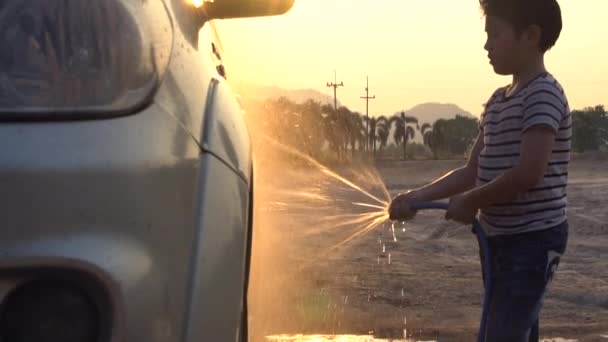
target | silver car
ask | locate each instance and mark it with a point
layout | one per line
(125, 172)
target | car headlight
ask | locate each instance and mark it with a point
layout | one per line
(67, 57)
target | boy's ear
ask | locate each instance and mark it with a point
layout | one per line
(532, 36)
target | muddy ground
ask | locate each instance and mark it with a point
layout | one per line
(310, 275)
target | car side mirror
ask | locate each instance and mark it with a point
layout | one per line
(228, 9)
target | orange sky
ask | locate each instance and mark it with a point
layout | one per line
(414, 51)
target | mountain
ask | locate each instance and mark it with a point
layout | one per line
(431, 112)
(263, 93)
(426, 112)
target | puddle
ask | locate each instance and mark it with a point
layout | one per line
(354, 338)
(328, 338)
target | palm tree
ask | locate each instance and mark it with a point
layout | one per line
(350, 128)
(331, 128)
(382, 130)
(280, 118)
(357, 131)
(427, 137)
(371, 136)
(362, 142)
(310, 127)
(403, 131)
(431, 136)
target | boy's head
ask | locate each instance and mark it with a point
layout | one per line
(519, 31)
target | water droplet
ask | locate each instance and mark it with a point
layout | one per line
(389, 258)
(405, 334)
(378, 260)
(383, 248)
(345, 300)
(402, 292)
(393, 232)
(404, 320)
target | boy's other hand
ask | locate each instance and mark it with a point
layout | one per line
(462, 209)
(400, 208)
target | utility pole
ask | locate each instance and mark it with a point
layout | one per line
(367, 98)
(335, 85)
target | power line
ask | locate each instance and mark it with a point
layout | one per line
(367, 98)
(335, 85)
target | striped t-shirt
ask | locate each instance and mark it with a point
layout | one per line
(503, 123)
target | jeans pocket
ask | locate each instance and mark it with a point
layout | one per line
(553, 259)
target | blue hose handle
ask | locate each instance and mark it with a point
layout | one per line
(482, 239)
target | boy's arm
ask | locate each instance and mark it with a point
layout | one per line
(544, 109)
(536, 147)
(454, 182)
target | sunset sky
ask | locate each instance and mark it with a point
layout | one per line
(414, 51)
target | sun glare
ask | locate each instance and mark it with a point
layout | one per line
(195, 3)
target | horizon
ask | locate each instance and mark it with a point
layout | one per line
(329, 98)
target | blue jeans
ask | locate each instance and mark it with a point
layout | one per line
(522, 268)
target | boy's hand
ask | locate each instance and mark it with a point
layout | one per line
(462, 209)
(400, 209)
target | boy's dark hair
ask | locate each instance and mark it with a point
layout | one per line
(524, 13)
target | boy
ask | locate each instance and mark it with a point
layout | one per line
(516, 174)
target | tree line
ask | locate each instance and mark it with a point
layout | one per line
(341, 135)
(325, 133)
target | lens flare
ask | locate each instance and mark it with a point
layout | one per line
(195, 3)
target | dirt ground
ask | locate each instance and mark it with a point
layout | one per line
(315, 271)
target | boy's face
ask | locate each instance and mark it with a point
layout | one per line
(507, 50)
